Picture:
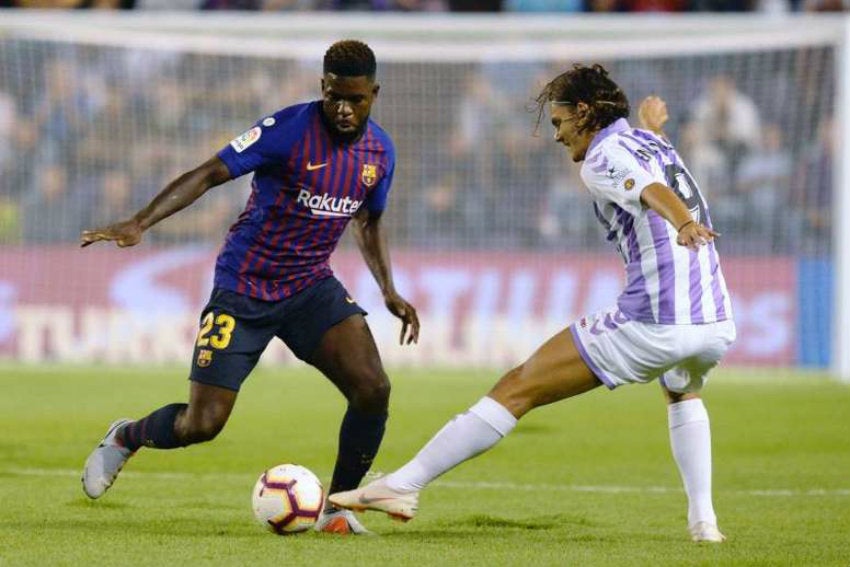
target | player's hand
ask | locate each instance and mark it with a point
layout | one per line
(653, 114)
(125, 233)
(399, 307)
(693, 235)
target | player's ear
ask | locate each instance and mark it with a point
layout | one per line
(582, 109)
(322, 85)
(375, 88)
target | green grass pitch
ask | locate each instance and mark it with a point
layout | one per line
(589, 481)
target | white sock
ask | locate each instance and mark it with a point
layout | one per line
(465, 436)
(690, 440)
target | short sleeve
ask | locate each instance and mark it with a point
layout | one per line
(376, 202)
(615, 174)
(267, 142)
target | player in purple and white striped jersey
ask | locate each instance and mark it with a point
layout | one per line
(665, 283)
(316, 166)
(673, 321)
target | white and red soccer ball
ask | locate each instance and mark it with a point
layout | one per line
(288, 499)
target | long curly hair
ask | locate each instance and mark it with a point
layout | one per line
(591, 85)
(350, 58)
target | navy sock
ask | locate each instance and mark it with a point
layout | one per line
(155, 430)
(359, 438)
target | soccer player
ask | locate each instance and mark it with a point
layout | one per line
(673, 321)
(316, 167)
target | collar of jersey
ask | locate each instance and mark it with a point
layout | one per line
(618, 125)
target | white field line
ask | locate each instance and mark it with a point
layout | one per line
(605, 489)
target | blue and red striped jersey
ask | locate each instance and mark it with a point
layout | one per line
(305, 189)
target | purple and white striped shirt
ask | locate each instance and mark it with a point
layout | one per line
(665, 283)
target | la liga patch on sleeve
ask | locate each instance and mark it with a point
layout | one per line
(246, 140)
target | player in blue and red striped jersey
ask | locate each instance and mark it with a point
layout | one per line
(316, 167)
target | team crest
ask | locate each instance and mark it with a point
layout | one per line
(629, 184)
(369, 174)
(204, 357)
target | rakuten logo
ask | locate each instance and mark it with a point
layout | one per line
(327, 206)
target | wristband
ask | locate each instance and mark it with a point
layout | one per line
(684, 225)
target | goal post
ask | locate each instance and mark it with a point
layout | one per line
(491, 233)
(841, 191)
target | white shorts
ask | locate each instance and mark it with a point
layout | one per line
(622, 351)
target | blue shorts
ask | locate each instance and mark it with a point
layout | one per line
(235, 329)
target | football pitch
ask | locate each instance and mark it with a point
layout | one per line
(589, 481)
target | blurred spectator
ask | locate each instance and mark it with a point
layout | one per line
(65, 4)
(8, 124)
(481, 149)
(603, 6)
(475, 5)
(706, 162)
(762, 193)
(119, 120)
(811, 202)
(110, 198)
(231, 4)
(290, 5)
(444, 215)
(775, 6)
(544, 5)
(826, 5)
(9, 172)
(53, 207)
(566, 221)
(171, 5)
(725, 128)
(653, 5)
(723, 5)
(61, 112)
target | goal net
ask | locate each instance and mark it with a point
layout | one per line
(492, 234)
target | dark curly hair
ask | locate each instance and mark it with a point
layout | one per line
(592, 86)
(350, 58)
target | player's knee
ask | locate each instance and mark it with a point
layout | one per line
(371, 392)
(513, 393)
(676, 397)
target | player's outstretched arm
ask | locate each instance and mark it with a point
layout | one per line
(177, 195)
(666, 203)
(652, 114)
(372, 241)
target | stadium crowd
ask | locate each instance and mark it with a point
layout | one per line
(95, 132)
(569, 6)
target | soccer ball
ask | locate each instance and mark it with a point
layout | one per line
(288, 499)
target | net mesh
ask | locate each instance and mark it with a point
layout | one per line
(90, 133)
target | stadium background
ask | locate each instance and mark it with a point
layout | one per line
(492, 235)
(492, 238)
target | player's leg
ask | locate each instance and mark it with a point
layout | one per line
(180, 425)
(348, 357)
(171, 426)
(229, 344)
(690, 428)
(328, 330)
(690, 443)
(554, 372)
